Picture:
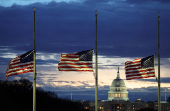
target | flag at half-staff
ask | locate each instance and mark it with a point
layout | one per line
(21, 64)
(81, 61)
(140, 68)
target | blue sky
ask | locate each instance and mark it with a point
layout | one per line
(127, 30)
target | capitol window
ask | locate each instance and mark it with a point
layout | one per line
(101, 107)
(121, 95)
(86, 107)
(117, 95)
(111, 95)
(125, 95)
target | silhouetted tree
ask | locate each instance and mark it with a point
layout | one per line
(18, 96)
(168, 99)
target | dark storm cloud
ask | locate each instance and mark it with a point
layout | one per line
(46, 74)
(4, 61)
(43, 62)
(94, 2)
(2, 76)
(70, 27)
(162, 79)
(109, 66)
(146, 1)
(65, 88)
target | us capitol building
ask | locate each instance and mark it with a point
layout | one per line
(118, 100)
(118, 90)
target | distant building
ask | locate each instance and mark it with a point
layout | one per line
(118, 100)
(125, 105)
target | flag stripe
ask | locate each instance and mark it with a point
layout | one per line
(140, 74)
(69, 60)
(18, 70)
(69, 55)
(74, 66)
(72, 58)
(16, 73)
(133, 62)
(140, 77)
(21, 64)
(80, 61)
(16, 58)
(75, 62)
(85, 64)
(15, 61)
(139, 70)
(76, 69)
(134, 65)
(64, 63)
(134, 70)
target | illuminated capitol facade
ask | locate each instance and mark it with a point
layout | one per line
(118, 100)
(118, 90)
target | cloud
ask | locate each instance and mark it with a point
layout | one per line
(162, 79)
(51, 26)
(25, 2)
(89, 94)
(146, 1)
(127, 30)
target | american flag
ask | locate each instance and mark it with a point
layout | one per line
(140, 68)
(81, 61)
(21, 64)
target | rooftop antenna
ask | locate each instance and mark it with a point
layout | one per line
(71, 96)
(165, 96)
(118, 75)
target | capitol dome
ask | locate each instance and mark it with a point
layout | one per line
(118, 90)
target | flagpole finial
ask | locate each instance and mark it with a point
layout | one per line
(118, 70)
(158, 13)
(96, 13)
(34, 11)
(118, 75)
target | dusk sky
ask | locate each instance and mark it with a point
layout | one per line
(127, 30)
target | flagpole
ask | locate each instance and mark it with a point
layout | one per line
(159, 93)
(34, 75)
(96, 74)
